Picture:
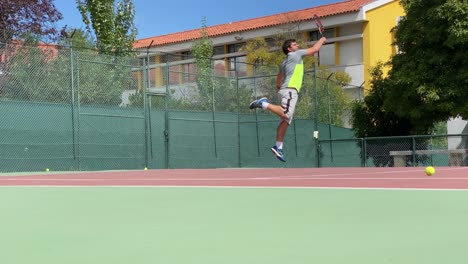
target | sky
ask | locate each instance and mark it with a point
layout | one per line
(160, 17)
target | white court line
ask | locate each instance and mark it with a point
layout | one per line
(373, 172)
(228, 179)
(413, 169)
(238, 187)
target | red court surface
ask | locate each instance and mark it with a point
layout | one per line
(411, 177)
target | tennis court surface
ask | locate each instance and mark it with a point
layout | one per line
(325, 215)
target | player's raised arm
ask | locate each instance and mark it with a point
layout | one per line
(316, 47)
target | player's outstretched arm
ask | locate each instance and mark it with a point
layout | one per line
(316, 47)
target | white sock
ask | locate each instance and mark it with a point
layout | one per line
(265, 105)
(279, 144)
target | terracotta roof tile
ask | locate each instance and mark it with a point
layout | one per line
(255, 23)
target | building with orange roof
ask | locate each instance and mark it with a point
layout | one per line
(359, 34)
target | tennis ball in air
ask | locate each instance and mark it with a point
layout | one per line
(47, 169)
(430, 171)
(145, 168)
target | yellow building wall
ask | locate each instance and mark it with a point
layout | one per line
(377, 36)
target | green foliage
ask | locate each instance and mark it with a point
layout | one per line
(113, 25)
(430, 75)
(50, 74)
(79, 39)
(228, 97)
(34, 75)
(257, 50)
(102, 78)
(370, 118)
(202, 51)
(427, 82)
(332, 102)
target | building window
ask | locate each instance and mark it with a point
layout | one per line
(271, 42)
(235, 47)
(187, 69)
(218, 50)
(396, 48)
(326, 56)
(186, 55)
(239, 65)
(328, 33)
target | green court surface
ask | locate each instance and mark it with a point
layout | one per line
(58, 225)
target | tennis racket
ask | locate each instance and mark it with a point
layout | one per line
(319, 24)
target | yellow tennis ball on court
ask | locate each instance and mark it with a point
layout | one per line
(430, 171)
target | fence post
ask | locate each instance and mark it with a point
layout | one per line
(239, 156)
(317, 151)
(166, 115)
(78, 110)
(145, 107)
(364, 152)
(72, 88)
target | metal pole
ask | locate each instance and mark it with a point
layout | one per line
(360, 89)
(78, 99)
(166, 117)
(72, 102)
(364, 152)
(256, 112)
(329, 116)
(316, 136)
(72, 84)
(213, 116)
(238, 122)
(145, 110)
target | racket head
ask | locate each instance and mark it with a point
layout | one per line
(319, 24)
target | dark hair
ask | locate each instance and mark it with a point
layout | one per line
(287, 45)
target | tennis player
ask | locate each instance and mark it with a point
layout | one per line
(288, 85)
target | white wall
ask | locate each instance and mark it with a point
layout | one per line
(458, 126)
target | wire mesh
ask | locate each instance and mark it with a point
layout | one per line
(65, 109)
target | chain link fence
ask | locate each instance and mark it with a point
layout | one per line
(65, 109)
(403, 151)
(208, 120)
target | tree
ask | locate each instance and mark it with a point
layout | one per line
(36, 74)
(113, 27)
(46, 74)
(202, 51)
(78, 39)
(427, 80)
(34, 17)
(370, 119)
(430, 74)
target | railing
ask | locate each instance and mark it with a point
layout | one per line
(422, 150)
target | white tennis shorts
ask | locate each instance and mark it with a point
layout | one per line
(288, 99)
